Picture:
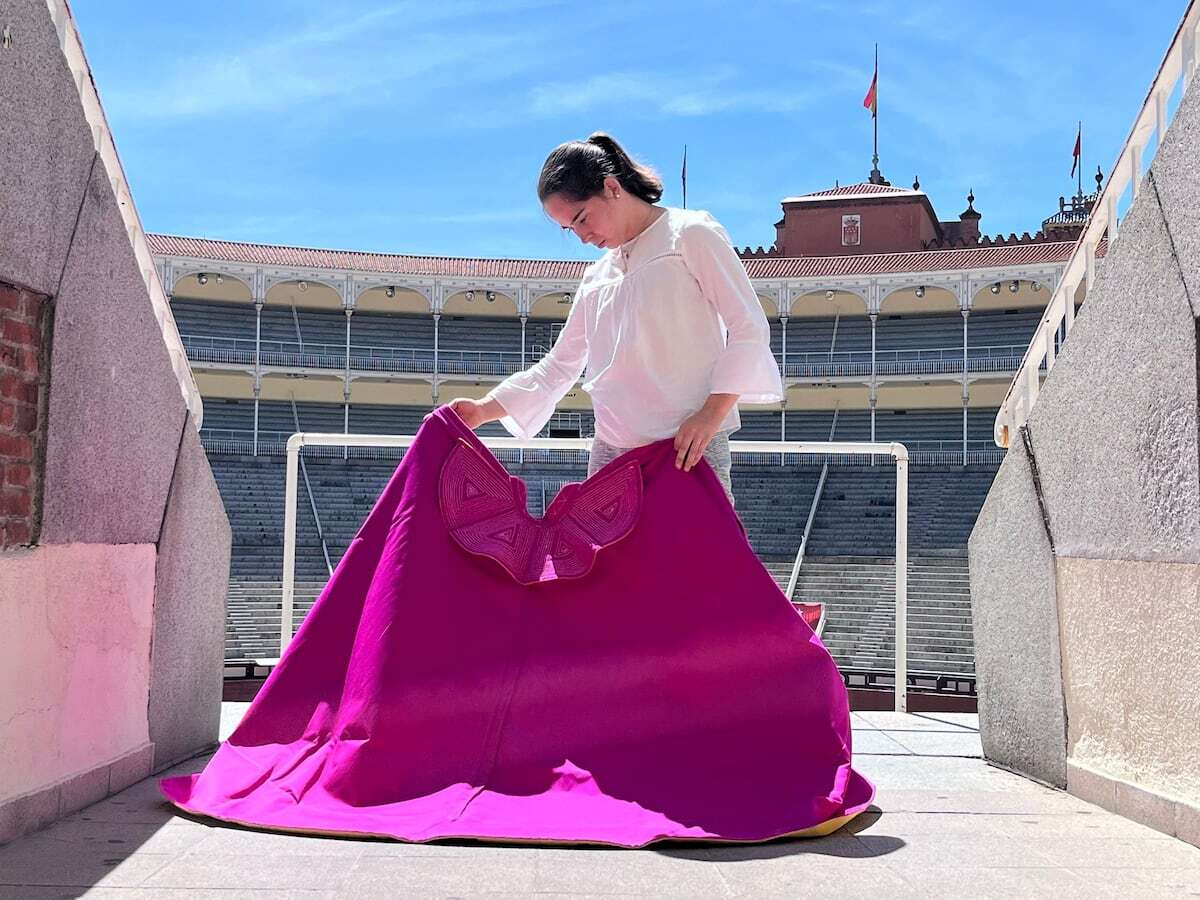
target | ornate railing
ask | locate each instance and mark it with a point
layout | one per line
(920, 361)
(366, 358)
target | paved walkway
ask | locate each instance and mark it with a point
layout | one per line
(948, 825)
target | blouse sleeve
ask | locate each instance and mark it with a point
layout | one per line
(746, 366)
(529, 397)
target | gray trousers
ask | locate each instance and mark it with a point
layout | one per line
(717, 454)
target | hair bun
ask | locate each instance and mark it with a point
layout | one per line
(610, 148)
(578, 172)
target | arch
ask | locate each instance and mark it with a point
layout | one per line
(1025, 297)
(769, 305)
(905, 300)
(223, 286)
(306, 293)
(553, 306)
(480, 302)
(403, 300)
(828, 302)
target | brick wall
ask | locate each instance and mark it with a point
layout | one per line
(23, 324)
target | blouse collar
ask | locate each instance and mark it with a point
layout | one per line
(622, 253)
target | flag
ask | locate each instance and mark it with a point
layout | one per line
(683, 176)
(871, 101)
(1078, 149)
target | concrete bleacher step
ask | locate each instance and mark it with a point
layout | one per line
(859, 594)
(773, 503)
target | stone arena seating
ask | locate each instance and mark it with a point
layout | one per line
(905, 344)
(848, 565)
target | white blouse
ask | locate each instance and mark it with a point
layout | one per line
(648, 322)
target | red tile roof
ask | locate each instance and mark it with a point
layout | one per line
(357, 260)
(915, 261)
(863, 188)
(569, 270)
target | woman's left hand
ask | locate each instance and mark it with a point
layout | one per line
(698, 429)
(693, 438)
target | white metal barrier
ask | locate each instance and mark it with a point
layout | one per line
(893, 449)
(1179, 65)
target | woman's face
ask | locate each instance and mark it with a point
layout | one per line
(595, 220)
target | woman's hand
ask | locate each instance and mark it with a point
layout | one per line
(698, 430)
(476, 412)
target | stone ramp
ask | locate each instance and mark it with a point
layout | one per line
(1085, 559)
(944, 824)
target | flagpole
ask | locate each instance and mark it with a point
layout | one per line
(1080, 158)
(875, 111)
(683, 176)
(871, 102)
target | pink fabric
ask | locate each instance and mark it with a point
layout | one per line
(484, 510)
(633, 673)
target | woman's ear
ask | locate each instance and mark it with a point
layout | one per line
(612, 188)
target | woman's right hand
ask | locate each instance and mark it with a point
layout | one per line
(476, 412)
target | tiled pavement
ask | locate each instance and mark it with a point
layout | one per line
(948, 825)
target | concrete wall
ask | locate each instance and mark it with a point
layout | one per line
(1015, 627)
(111, 624)
(191, 580)
(1114, 434)
(76, 660)
(1130, 673)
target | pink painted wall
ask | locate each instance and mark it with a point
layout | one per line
(75, 628)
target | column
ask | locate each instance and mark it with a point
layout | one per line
(437, 317)
(783, 320)
(524, 319)
(966, 313)
(346, 386)
(258, 308)
(874, 386)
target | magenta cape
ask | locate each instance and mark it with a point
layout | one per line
(620, 671)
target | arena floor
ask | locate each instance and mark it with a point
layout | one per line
(947, 825)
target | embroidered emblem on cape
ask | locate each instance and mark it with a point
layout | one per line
(484, 514)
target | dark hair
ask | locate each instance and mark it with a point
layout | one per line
(577, 170)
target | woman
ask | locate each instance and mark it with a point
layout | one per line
(648, 321)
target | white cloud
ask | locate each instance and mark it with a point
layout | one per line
(398, 52)
(480, 217)
(685, 94)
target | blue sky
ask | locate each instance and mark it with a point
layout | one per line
(421, 127)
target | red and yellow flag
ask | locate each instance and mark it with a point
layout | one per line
(871, 101)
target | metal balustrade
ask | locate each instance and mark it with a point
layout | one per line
(292, 354)
(420, 360)
(917, 361)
